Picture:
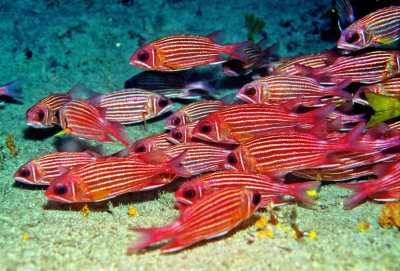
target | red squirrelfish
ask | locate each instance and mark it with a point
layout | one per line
(279, 153)
(389, 87)
(197, 188)
(182, 133)
(378, 27)
(214, 215)
(192, 112)
(366, 68)
(313, 61)
(181, 52)
(44, 113)
(128, 106)
(82, 119)
(44, 169)
(239, 123)
(9, 90)
(278, 88)
(110, 177)
(385, 188)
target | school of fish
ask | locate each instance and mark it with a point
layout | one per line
(299, 118)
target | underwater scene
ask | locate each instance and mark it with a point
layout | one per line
(200, 135)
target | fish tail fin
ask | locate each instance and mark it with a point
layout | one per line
(357, 96)
(321, 113)
(361, 191)
(237, 50)
(337, 90)
(11, 88)
(116, 130)
(150, 236)
(305, 191)
(351, 141)
(272, 51)
(175, 166)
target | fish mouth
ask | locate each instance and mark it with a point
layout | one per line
(35, 124)
(184, 201)
(140, 64)
(244, 98)
(22, 180)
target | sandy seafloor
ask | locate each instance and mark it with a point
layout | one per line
(103, 36)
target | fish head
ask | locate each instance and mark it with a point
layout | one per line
(239, 159)
(190, 192)
(253, 200)
(180, 135)
(39, 116)
(142, 145)
(29, 173)
(212, 128)
(253, 92)
(354, 38)
(176, 119)
(160, 105)
(146, 57)
(65, 188)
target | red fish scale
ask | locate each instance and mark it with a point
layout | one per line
(130, 105)
(384, 23)
(199, 157)
(366, 68)
(389, 87)
(312, 61)
(187, 51)
(334, 174)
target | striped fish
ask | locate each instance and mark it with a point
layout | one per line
(10, 90)
(389, 87)
(44, 169)
(181, 52)
(44, 113)
(182, 133)
(128, 106)
(174, 85)
(192, 112)
(239, 123)
(385, 188)
(379, 27)
(277, 154)
(214, 215)
(192, 191)
(321, 60)
(366, 68)
(110, 177)
(84, 120)
(284, 87)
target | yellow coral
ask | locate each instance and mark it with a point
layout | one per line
(132, 211)
(364, 227)
(390, 215)
(85, 210)
(11, 145)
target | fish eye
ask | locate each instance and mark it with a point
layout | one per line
(232, 159)
(61, 189)
(352, 37)
(41, 115)
(25, 172)
(176, 121)
(250, 92)
(163, 102)
(205, 128)
(177, 135)
(256, 199)
(189, 193)
(140, 148)
(143, 56)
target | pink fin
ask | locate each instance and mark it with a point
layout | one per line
(216, 36)
(321, 113)
(176, 244)
(79, 91)
(351, 141)
(10, 89)
(175, 166)
(361, 191)
(149, 236)
(381, 170)
(337, 90)
(116, 130)
(237, 50)
(299, 190)
(63, 169)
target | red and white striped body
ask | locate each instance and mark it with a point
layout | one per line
(389, 87)
(284, 87)
(192, 191)
(110, 177)
(128, 106)
(192, 112)
(214, 215)
(44, 169)
(378, 27)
